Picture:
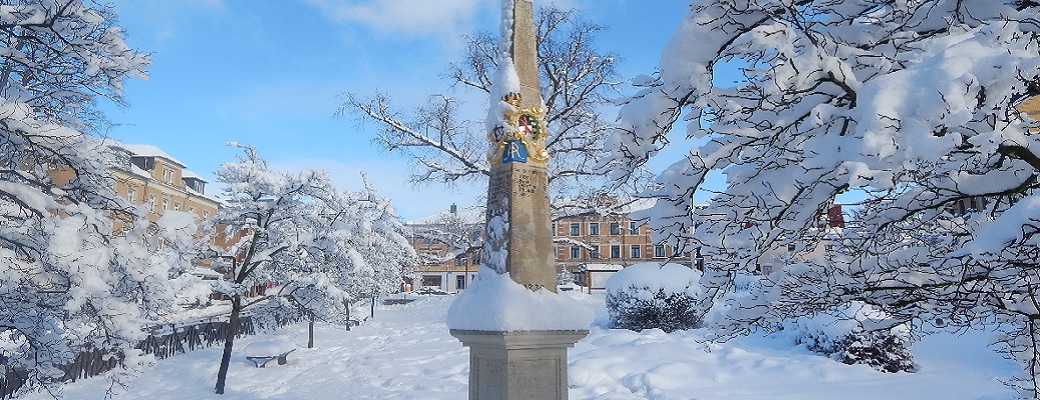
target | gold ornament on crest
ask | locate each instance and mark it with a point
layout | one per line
(526, 136)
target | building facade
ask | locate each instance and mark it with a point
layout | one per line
(144, 174)
(449, 247)
(147, 175)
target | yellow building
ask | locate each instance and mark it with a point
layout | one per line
(147, 175)
(1031, 106)
(144, 174)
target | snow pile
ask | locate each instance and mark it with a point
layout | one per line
(649, 295)
(496, 303)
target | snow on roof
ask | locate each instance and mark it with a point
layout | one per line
(188, 174)
(216, 199)
(607, 206)
(139, 172)
(638, 204)
(147, 150)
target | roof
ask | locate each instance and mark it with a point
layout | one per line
(147, 150)
(603, 267)
(467, 215)
(608, 205)
(187, 174)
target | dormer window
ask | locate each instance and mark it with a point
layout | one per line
(196, 184)
(145, 163)
(167, 175)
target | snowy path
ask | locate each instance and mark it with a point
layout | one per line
(406, 353)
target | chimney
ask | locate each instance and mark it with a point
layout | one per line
(454, 208)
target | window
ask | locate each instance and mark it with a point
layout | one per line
(594, 252)
(205, 214)
(594, 228)
(460, 282)
(791, 247)
(659, 251)
(634, 251)
(191, 210)
(151, 203)
(615, 228)
(131, 195)
(176, 206)
(460, 260)
(167, 175)
(575, 252)
(575, 229)
(165, 204)
(633, 228)
(554, 229)
(615, 251)
(431, 280)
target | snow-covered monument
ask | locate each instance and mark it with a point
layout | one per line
(517, 328)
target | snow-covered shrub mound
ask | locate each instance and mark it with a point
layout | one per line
(841, 334)
(648, 295)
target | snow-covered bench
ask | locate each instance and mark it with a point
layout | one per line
(260, 353)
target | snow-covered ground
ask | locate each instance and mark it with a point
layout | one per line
(405, 352)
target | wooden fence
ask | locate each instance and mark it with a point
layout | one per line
(164, 341)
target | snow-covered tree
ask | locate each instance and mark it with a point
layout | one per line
(68, 278)
(300, 246)
(577, 82)
(913, 105)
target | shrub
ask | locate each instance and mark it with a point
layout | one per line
(841, 335)
(647, 296)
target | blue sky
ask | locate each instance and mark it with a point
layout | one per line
(268, 73)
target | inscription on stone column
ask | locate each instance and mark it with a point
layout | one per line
(499, 186)
(529, 181)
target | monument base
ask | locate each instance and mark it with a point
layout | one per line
(518, 365)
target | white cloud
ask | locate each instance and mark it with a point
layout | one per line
(421, 17)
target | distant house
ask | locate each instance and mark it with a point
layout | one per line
(449, 245)
(590, 243)
(831, 225)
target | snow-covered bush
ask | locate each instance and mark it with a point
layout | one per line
(649, 295)
(841, 335)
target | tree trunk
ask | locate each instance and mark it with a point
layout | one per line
(346, 304)
(372, 309)
(229, 342)
(310, 333)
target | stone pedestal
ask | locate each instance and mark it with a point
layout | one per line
(518, 365)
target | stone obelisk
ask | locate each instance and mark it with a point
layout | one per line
(518, 191)
(519, 364)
